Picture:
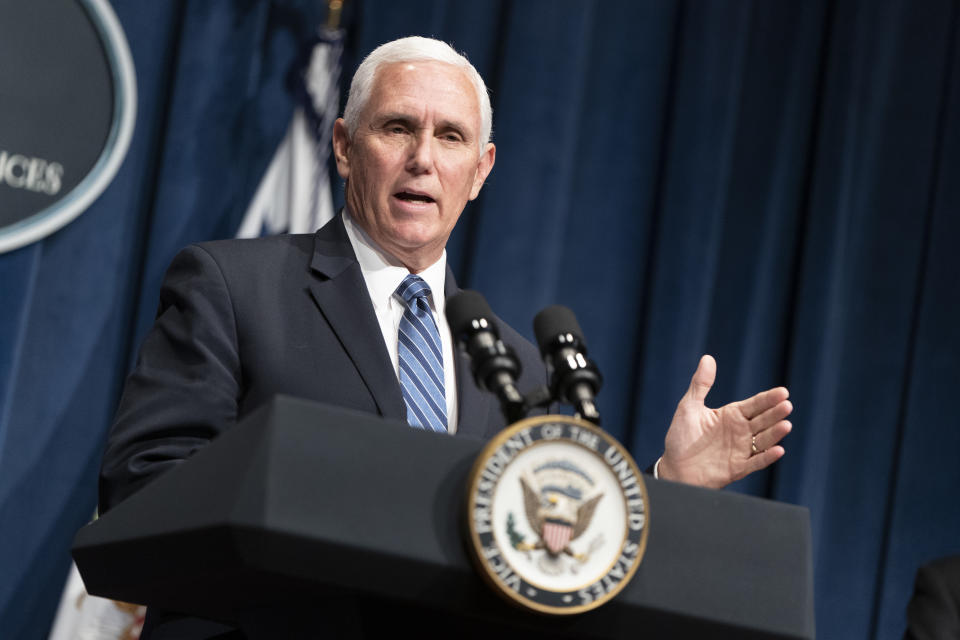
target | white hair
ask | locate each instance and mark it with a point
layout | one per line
(411, 49)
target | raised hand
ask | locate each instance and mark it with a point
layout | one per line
(714, 447)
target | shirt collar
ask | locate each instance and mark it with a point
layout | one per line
(383, 273)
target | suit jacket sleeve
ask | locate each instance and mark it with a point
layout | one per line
(934, 609)
(184, 388)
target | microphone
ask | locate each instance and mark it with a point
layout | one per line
(494, 365)
(573, 378)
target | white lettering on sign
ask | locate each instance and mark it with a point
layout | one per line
(33, 174)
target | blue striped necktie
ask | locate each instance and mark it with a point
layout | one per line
(421, 358)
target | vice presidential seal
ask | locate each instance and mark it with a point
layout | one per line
(557, 515)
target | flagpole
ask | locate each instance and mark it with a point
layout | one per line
(334, 9)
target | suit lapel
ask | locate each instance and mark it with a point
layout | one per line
(474, 405)
(339, 290)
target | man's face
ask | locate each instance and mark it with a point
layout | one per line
(415, 158)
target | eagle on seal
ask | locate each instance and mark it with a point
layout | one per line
(558, 512)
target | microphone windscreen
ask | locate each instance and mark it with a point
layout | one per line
(553, 321)
(465, 307)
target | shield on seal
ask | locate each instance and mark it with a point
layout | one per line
(556, 535)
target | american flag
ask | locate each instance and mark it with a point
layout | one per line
(294, 195)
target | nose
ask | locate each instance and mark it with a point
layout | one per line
(420, 158)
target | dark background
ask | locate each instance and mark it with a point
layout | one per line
(774, 183)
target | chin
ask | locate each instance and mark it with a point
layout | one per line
(415, 234)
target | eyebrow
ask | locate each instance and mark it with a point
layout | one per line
(391, 116)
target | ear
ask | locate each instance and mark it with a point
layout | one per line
(484, 166)
(341, 147)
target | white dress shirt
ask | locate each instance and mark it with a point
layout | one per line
(382, 274)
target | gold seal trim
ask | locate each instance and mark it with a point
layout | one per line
(476, 546)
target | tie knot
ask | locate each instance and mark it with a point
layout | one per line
(413, 287)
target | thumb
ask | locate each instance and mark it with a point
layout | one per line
(703, 379)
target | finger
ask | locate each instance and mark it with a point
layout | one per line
(752, 407)
(703, 378)
(768, 438)
(771, 416)
(763, 459)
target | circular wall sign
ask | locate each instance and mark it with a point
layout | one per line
(67, 110)
(557, 515)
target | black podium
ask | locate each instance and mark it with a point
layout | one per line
(304, 511)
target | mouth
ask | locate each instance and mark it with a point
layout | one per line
(414, 196)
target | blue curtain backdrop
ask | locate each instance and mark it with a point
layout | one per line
(773, 183)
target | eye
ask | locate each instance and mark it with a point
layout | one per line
(395, 127)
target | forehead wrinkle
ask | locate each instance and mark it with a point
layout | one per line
(396, 102)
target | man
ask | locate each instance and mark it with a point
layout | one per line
(325, 317)
(933, 612)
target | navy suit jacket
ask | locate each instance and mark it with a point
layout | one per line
(242, 320)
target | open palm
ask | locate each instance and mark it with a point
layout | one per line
(714, 447)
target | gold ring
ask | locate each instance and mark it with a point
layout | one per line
(753, 445)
